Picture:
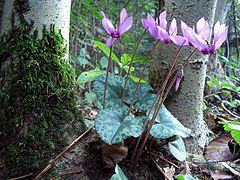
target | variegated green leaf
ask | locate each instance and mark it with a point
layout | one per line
(113, 126)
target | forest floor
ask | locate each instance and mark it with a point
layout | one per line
(91, 159)
(88, 158)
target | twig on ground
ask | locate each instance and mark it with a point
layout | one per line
(66, 173)
(163, 159)
(51, 163)
(236, 161)
(161, 170)
(230, 168)
(21, 177)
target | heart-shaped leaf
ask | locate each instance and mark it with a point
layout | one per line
(143, 91)
(114, 90)
(177, 148)
(146, 102)
(113, 126)
(166, 125)
(119, 175)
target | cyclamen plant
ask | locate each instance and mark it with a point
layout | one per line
(116, 120)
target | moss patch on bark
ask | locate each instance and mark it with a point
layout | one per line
(38, 99)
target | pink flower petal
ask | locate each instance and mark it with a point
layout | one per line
(164, 35)
(194, 39)
(221, 39)
(188, 33)
(173, 27)
(148, 22)
(203, 29)
(154, 31)
(108, 26)
(218, 30)
(110, 42)
(162, 20)
(179, 40)
(218, 42)
(126, 25)
(144, 23)
(201, 44)
(123, 15)
(178, 80)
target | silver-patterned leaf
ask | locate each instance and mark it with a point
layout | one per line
(177, 148)
(113, 126)
(119, 175)
(166, 125)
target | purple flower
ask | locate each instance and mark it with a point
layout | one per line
(125, 25)
(180, 75)
(199, 39)
(159, 30)
(152, 25)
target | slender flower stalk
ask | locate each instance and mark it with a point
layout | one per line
(131, 63)
(106, 80)
(157, 99)
(160, 102)
(159, 96)
(141, 76)
(158, 107)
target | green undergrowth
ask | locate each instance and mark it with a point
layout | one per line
(38, 99)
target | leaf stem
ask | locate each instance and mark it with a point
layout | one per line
(131, 63)
(106, 80)
(142, 73)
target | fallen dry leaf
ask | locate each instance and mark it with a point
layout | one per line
(112, 154)
(218, 149)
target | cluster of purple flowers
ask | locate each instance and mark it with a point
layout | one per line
(197, 37)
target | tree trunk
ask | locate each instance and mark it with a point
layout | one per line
(1, 12)
(38, 105)
(187, 103)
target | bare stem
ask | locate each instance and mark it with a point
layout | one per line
(142, 73)
(158, 107)
(159, 98)
(160, 93)
(190, 55)
(106, 80)
(131, 63)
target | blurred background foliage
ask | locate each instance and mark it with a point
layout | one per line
(86, 26)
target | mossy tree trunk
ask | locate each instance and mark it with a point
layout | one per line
(187, 103)
(38, 103)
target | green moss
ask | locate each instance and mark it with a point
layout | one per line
(37, 98)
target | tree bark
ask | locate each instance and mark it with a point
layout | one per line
(41, 12)
(1, 12)
(187, 103)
